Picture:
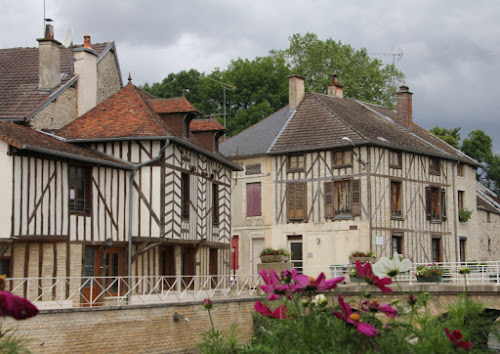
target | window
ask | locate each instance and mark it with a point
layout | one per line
(435, 204)
(342, 198)
(5, 267)
(185, 190)
(296, 163)
(396, 211)
(434, 166)
(462, 243)
(252, 169)
(296, 201)
(254, 199)
(80, 190)
(397, 244)
(436, 249)
(342, 158)
(215, 203)
(297, 259)
(460, 200)
(395, 159)
(460, 169)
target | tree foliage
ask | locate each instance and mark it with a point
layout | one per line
(451, 136)
(262, 85)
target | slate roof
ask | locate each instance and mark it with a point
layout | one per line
(19, 93)
(199, 125)
(257, 139)
(25, 138)
(321, 122)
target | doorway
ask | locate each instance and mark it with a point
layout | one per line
(257, 247)
(167, 264)
(295, 247)
(187, 267)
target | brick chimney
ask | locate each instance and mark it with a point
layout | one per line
(404, 106)
(49, 61)
(296, 90)
(335, 89)
(86, 68)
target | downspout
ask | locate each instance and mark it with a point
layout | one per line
(130, 202)
(455, 216)
(369, 188)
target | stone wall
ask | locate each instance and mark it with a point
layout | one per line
(108, 77)
(57, 114)
(144, 329)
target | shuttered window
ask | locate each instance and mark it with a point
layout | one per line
(296, 201)
(435, 203)
(396, 211)
(434, 166)
(342, 198)
(185, 190)
(215, 203)
(80, 190)
(342, 158)
(296, 163)
(254, 199)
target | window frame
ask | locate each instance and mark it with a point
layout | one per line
(436, 249)
(435, 166)
(435, 204)
(399, 157)
(346, 196)
(73, 178)
(253, 169)
(296, 163)
(460, 169)
(346, 157)
(396, 205)
(399, 243)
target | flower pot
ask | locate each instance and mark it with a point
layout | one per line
(353, 259)
(274, 258)
(433, 279)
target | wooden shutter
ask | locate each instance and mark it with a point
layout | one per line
(300, 201)
(428, 204)
(290, 201)
(443, 204)
(328, 189)
(253, 199)
(356, 197)
(235, 252)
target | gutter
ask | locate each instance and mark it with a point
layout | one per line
(134, 169)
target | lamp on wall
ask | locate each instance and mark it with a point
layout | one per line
(108, 243)
(318, 240)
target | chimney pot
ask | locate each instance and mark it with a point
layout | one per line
(404, 109)
(86, 41)
(296, 91)
(49, 31)
(335, 89)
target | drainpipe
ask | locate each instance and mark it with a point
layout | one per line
(455, 217)
(130, 202)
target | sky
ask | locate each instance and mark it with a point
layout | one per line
(451, 51)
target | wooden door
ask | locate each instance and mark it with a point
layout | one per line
(168, 265)
(91, 288)
(114, 268)
(257, 247)
(187, 263)
(212, 266)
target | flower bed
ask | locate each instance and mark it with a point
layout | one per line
(270, 255)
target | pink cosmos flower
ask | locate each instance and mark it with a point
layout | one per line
(279, 312)
(374, 306)
(353, 318)
(273, 285)
(456, 339)
(15, 306)
(365, 271)
(309, 283)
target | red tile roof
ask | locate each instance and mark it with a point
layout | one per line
(125, 114)
(173, 105)
(25, 138)
(19, 93)
(205, 125)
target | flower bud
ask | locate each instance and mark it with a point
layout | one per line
(207, 304)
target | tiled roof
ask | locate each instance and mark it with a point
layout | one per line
(198, 125)
(173, 105)
(257, 139)
(125, 114)
(484, 205)
(25, 138)
(321, 122)
(19, 93)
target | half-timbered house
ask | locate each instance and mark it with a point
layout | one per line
(327, 175)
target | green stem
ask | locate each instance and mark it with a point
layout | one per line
(212, 322)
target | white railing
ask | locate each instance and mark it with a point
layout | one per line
(56, 293)
(487, 272)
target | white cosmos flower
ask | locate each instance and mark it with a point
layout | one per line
(389, 268)
(320, 300)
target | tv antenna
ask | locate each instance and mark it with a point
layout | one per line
(397, 55)
(224, 87)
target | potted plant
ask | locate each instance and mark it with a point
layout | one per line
(271, 255)
(354, 276)
(363, 257)
(464, 214)
(430, 273)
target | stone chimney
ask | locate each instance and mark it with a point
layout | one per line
(86, 69)
(404, 106)
(296, 90)
(49, 61)
(335, 89)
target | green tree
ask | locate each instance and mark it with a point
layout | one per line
(451, 136)
(363, 78)
(478, 145)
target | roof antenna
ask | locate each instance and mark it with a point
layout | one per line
(129, 78)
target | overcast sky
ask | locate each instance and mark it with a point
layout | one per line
(451, 52)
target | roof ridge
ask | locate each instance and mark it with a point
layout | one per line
(281, 130)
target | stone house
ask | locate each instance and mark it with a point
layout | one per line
(104, 180)
(327, 175)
